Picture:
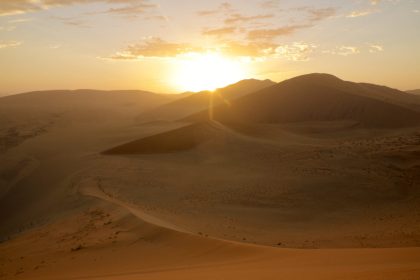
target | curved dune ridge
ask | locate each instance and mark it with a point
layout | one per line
(322, 97)
(180, 139)
(108, 242)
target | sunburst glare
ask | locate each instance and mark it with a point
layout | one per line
(208, 71)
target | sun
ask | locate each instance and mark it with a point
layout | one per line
(207, 71)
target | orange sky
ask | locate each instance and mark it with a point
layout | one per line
(173, 46)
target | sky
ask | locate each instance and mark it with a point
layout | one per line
(171, 46)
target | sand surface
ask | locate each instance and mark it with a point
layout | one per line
(100, 196)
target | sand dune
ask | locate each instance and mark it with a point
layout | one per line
(415, 91)
(321, 97)
(196, 102)
(27, 115)
(82, 104)
(183, 138)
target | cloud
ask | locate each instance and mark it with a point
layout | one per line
(54, 46)
(250, 49)
(153, 47)
(13, 24)
(7, 28)
(239, 18)
(223, 8)
(254, 27)
(270, 34)
(232, 17)
(134, 10)
(314, 15)
(321, 14)
(360, 13)
(348, 50)
(9, 44)
(219, 32)
(12, 7)
(271, 4)
(298, 51)
(158, 48)
(20, 20)
(72, 21)
(375, 48)
(372, 8)
(344, 50)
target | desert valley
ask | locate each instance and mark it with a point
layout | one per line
(313, 172)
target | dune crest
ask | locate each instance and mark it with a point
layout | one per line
(320, 97)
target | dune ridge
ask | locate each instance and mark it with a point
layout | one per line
(319, 97)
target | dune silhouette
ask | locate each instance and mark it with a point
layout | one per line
(321, 97)
(57, 100)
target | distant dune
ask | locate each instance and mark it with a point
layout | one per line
(24, 116)
(322, 97)
(197, 102)
(59, 100)
(415, 91)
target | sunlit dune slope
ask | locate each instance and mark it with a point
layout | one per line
(321, 97)
(197, 102)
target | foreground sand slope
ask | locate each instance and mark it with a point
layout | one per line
(106, 241)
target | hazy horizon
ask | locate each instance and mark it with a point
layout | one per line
(3, 94)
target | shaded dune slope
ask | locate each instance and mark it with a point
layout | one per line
(320, 97)
(180, 139)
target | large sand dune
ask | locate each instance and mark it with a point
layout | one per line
(321, 97)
